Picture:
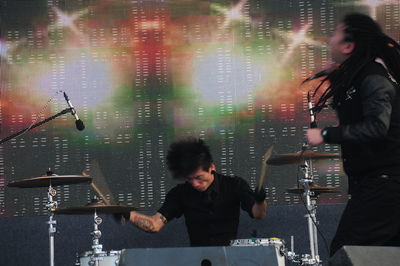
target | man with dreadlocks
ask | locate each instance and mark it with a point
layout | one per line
(364, 91)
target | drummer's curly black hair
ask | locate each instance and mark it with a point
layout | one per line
(187, 156)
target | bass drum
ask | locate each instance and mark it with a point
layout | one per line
(279, 244)
(105, 258)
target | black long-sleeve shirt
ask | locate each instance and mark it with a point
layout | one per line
(369, 124)
(212, 216)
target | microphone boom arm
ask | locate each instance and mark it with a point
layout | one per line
(67, 110)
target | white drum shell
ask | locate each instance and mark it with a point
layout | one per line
(258, 242)
(105, 258)
(279, 244)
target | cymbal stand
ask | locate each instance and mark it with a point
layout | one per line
(51, 207)
(311, 204)
(97, 247)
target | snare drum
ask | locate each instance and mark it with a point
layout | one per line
(279, 244)
(273, 241)
(105, 258)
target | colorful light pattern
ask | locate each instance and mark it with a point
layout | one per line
(144, 73)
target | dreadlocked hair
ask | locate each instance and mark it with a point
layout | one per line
(369, 43)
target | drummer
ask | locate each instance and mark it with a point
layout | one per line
(209, 201)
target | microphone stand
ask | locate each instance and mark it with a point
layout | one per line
(67, 110)
(51, 204)
(311, 198)
(310, 204)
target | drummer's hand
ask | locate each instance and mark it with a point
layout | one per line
(314, 136)
(121, 218)
(260, 195)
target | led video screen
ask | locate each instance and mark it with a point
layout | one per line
(144, 73)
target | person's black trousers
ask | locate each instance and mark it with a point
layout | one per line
(372, 215)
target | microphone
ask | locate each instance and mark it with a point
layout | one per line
(313, 123)
(318, 75)
(79, 124)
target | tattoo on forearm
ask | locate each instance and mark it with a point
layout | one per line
(163, 219)
(145, 224)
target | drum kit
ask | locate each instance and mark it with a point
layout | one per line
(95, 257)
(310, 192)
(98, 257)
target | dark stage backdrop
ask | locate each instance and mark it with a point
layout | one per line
(143, 73)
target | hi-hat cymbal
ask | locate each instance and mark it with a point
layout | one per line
(99, 207)
(299, 157)
(314, 188)
(45, 181)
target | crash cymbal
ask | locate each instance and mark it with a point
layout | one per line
(45, 181)
(314, 188)
(99, 207)
(299, 157)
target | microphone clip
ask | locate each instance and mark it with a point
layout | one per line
(313, 122)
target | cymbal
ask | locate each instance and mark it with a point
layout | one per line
(45, 181)
(299, 157)
(99, 207)
(314, 188)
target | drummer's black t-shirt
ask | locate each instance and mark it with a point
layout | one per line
(212, 216)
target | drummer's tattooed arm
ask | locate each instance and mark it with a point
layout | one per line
(148, 223)
(145, 223)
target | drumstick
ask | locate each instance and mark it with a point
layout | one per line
(261, 179)
(101, 195)
(99, 183)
